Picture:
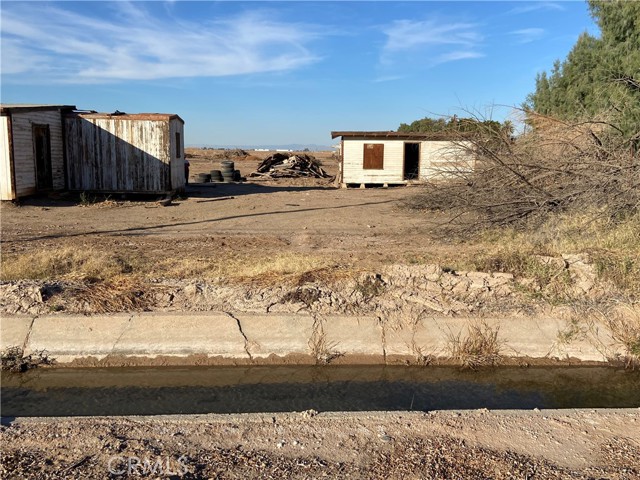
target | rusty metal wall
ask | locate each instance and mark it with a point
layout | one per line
(118, 154)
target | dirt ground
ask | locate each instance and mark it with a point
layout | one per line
(252, 218)
(547, 444)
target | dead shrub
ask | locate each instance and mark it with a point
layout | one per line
(520, 182)
(479, 348)
(14, 360)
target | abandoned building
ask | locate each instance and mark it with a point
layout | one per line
(49, 148)
(32, 149)
(394, 158)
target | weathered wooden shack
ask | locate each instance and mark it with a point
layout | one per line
(140, 153)
(395, 158)
(31, 149)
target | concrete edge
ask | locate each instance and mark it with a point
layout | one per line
(217, 338)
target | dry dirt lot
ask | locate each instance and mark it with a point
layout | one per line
(255, 218)
(547, 444)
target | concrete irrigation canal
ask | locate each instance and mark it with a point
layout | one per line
(200, 390)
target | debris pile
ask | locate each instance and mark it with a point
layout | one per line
(290, 165)
(229, 153)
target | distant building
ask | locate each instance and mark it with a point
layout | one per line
(393, 158)
(48, 148)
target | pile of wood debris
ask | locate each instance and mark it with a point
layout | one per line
(290, 165)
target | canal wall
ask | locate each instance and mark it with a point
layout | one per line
(238, 338)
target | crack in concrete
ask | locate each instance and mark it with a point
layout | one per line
(26, 340)
(124, 330)
(246, 340)
(383, 338)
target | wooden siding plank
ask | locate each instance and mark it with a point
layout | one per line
(177, 164)
(6, 188)
(23, 149)
(353, 162)
(119, 154)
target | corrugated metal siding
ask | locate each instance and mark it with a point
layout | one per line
(177, 163)
(440, 160)
(353, 155)
(6, 192)
(24, 163)
(118, 155)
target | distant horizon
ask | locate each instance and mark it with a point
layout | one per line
(291, 146)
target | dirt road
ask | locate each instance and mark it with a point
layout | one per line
(553, 444)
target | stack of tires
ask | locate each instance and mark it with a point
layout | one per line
(227, 170)
(204, 178)
(216, 176)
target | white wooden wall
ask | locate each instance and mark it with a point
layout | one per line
(23, 155)
(353, 156)
(438, 160)
(118, 154)
(6, 191)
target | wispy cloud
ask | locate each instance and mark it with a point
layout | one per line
(439, 41)
(387, 78)
(527, 7)
(527, 35)
(56, 44)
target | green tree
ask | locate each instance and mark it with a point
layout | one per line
(455, 124)
(600, 76)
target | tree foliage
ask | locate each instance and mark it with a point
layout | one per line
(455, 124)
(600, 76)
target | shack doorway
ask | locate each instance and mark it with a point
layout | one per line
(42, 154)
(411, 161)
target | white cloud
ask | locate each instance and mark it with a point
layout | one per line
(387, 78)
(458, 55)
(527, 7)
(527, 35)
(54, 44)
(439, 41)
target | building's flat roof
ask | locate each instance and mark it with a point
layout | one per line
(129, 116)
(30, 107)
(400, 135)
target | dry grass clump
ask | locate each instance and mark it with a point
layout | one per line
(612, 246)
(280, 267)
(479, 348)
(119, 294)
(624, 323)
(64, 263)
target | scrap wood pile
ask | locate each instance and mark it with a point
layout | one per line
(233, 152)
(290, 165)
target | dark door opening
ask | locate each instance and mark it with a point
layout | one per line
(411, 161)
(42, 152)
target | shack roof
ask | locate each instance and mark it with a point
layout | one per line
(6, 108)
(128, 116)
(401, 135)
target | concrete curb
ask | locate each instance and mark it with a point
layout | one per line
(251, 338)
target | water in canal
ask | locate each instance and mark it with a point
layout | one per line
(189, 390)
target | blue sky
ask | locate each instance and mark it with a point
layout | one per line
(253, 73)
